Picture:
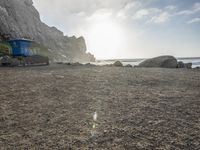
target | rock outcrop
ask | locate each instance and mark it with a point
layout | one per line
(184, 65)
(129, 65)
(118, 64)
(160, 62)
(188, 65)
(20, 19)
(180, 65)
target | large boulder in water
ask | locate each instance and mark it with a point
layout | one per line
(160, 62)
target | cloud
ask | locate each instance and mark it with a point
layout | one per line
(144, 13)
(161, 18)
(81, 14)
(194, 20)
(152, 15)
(196, 7)
(121, 15)
(185, 12)
(126, 11)
(67, 7)
(193, 10)
(141, 14)
(132, 5)
(170, 7)
(100, 14)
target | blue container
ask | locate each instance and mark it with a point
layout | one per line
(21, 47)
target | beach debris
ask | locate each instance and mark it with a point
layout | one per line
(160, 62)
(118, 64)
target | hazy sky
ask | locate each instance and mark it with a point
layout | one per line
(128, 28)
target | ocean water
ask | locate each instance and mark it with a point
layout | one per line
(194, 60)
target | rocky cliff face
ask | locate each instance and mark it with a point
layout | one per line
(20, 19)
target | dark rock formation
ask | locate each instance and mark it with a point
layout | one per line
(20, 19)
(90, 65)
(180, 65)
(184, 65)
(129, 65)
(118, 64)
(160, 62)
(188, 65)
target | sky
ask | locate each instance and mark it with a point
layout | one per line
(128, 28)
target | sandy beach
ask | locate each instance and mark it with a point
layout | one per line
(85, 107)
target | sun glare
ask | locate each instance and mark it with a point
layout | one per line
(106, 37)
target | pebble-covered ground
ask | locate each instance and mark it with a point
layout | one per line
(84, 107)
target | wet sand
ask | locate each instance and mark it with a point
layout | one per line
(135, 108)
